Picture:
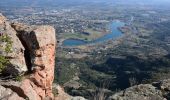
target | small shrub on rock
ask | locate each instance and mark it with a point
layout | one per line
(4, 39)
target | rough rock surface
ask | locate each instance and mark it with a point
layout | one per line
(156, 91)
(64, 96)
(40, 43)
(17, 60)
(33, 51)
(8, 94)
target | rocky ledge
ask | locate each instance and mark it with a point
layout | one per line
(33, 55)
(155, 91)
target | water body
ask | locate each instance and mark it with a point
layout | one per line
(115, 33)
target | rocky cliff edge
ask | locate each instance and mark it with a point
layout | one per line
(29, 73)
(33, 55)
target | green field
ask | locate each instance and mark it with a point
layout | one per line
(92, 35)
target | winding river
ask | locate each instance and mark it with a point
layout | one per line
(115, 33)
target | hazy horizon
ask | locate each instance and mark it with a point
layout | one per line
(81, 2)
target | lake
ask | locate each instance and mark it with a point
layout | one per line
(115, 33)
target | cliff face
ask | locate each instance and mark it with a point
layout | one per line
(33, 52)
(40, 45)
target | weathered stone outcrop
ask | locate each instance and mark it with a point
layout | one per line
(40, 43)
(17, 60)
(33, 52)
(8, 94)
(156, 91)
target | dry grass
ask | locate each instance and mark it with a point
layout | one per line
(100, 93)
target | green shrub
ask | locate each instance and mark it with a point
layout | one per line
(7, 49)
(19, 78)
(8, 43)
(55, 91)
(3, 62)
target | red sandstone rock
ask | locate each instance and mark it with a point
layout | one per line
(41, 44)
(28, 88)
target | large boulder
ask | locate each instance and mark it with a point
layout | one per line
(140, 92)
(39, 42)
(155, 91)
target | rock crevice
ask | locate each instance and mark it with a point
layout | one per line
(40, 52)
(33, 51)
(26, 54)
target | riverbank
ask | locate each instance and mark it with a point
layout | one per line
(115, 33)
(87, 35)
